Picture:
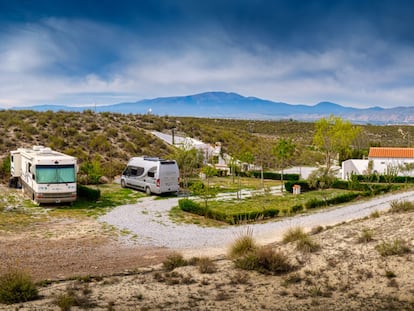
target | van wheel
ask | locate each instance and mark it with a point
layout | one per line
(122, 183)
(148, 190)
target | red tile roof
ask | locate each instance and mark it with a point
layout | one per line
(390, 152)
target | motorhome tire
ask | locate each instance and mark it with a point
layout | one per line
(148, 190)
(123, 183)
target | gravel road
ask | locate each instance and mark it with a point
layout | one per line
(149, 224)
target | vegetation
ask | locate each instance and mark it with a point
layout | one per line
(173, 261)
(103, 142)
(243, 245)
(389, 248)
(17, 286)
(401, 206)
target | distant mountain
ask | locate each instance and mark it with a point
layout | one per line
(232, 105)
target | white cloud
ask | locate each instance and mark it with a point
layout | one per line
(74, 61)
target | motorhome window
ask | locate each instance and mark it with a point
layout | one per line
(48, 174)
(133, 171)
(168, 162)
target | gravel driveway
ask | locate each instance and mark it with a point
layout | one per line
(149, 223)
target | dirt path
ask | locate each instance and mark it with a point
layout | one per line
(149, 220)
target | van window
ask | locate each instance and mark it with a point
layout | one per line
(137, 171)
(152, 171)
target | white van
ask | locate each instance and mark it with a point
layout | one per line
(152, 175)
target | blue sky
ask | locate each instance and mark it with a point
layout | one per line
(354, 53)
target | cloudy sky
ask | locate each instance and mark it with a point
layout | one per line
(355, 53)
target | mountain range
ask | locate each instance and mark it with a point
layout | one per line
(235, 106)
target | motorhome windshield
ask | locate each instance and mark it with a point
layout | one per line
(52, 174)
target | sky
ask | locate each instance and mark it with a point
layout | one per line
(357, 53)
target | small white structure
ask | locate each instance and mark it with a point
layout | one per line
(383, 160)
(46, 176)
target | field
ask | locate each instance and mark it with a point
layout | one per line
(80, 262)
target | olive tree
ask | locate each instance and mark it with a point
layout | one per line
(332, 136)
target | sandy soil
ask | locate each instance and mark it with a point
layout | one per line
(343, 275)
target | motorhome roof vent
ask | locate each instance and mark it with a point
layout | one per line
(46, 150)
(37, 148)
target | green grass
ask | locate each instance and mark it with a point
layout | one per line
(112, 195)
(262, 202)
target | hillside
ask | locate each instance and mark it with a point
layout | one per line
(112, 138)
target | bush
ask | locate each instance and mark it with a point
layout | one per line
(87, 193)
(276, 176)
(307, 245)
(243, 245)
(16, 286)
(366, 236)
(206, 265)
(293, 234)
(396, 247)
(304, 185)
(265, 260)
(191, 206)
(401, 206)
(173, 261)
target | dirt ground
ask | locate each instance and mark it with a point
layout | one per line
(343, 275)
(65, 248)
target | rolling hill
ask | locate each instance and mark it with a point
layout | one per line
(235, 106)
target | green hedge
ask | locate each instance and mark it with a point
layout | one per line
(276, 176)
(87, 193)
(304, 185)
(346, 197)
(191, 206)
(384, 179)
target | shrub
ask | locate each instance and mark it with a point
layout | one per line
(293, 234)
(87, 193)
(307, 245)
(191, 206)
(265, 260)
(243, 245)
(17, 286)
(366, 236)
(401, 206)
(173, 261)
(396, 247)
(304, 185)
(206, 265)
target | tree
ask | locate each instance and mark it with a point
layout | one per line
(332, 136)
(284, 151)
(189, 160)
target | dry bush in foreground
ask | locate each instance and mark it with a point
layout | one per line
(173, 261)
(401, 206)
(17, 286)
(243, 245)
(396, 247)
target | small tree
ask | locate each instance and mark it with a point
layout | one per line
(321, 179)
(92, 170)
(332, 136)
(284, 151)
(189, 160)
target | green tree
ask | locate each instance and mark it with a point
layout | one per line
(92, 170)
(189, 161)
(284, 151)
(333, 135)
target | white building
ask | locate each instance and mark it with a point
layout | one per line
(384, 160)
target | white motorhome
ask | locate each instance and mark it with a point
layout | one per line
(152, 175)
(45, 175)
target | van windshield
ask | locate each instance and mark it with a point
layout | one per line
(52, 174)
